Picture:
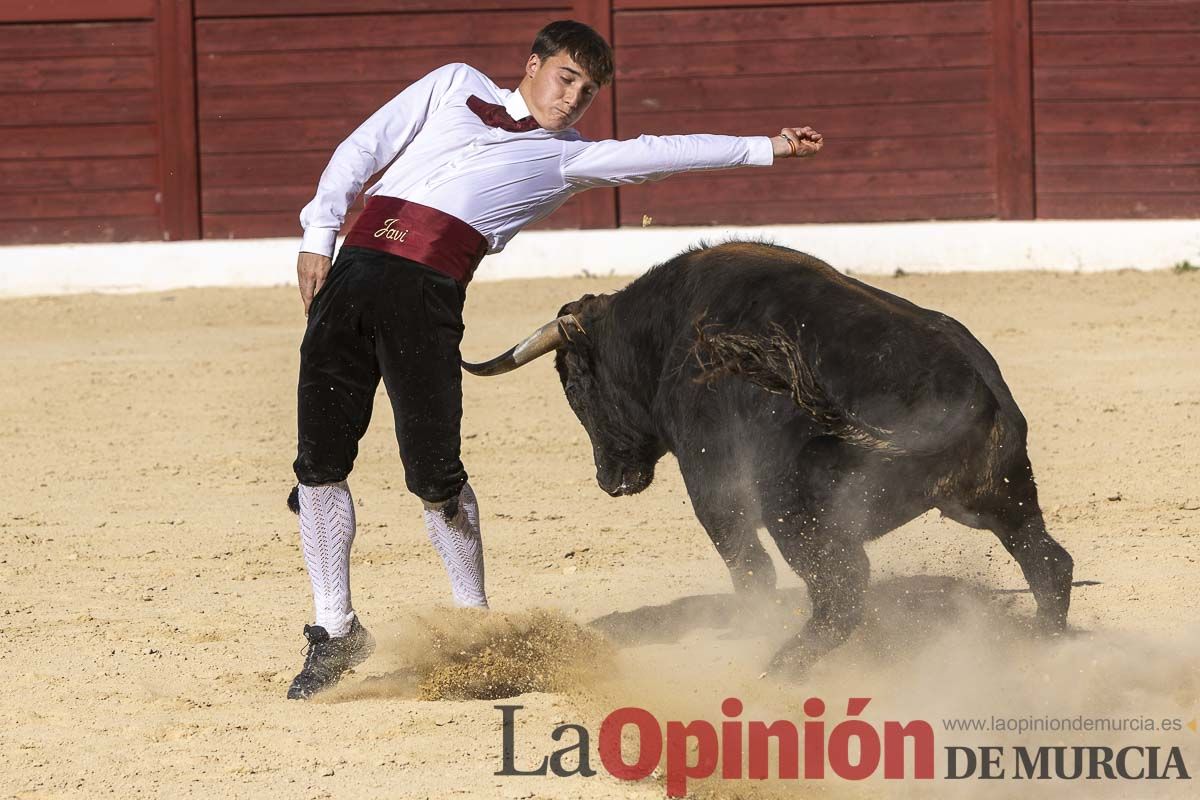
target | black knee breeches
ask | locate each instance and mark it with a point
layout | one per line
(379, 315)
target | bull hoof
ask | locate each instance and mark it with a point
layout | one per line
(791, 662)
(754, 588)
(1050, 627)
(1051, 619)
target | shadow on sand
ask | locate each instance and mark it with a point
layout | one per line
(910, 606)
(454, 655)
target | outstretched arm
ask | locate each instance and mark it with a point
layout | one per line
(614, 162)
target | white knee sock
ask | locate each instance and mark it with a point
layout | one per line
(460, 545)
(326, 534)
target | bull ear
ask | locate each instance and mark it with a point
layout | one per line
(581, 307)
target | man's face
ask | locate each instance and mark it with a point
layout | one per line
(559, 90)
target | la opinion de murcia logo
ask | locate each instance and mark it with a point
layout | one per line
(388, 232)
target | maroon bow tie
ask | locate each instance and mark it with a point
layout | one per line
(498, 116)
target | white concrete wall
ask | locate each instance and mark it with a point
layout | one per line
(863, 249)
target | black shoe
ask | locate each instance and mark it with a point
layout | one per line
(328, 659)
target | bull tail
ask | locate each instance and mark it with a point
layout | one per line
(774, 362)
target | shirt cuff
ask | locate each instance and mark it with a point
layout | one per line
(319, 241)
(762, 153)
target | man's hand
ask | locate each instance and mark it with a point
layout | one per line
(797, 143)
(311, 271)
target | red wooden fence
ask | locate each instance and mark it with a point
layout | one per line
(79, 134)
(178, 119)
(1117, 99)
(901, 90)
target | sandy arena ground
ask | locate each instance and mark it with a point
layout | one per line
(153, 592)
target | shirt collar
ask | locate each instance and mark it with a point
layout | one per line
(515, 105)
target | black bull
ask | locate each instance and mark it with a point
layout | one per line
(799, 399)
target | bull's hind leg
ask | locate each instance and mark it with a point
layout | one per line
(1047, 566)
(1010, 510)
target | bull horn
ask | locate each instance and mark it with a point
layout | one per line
(545, 339)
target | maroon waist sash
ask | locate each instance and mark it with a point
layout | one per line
(419, 233)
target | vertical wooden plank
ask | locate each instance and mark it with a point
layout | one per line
(598, 207)
(1012, 103)
(178, 152)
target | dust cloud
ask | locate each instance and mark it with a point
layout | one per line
(933, 649)
(466, 654)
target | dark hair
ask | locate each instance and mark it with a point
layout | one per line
(586, 47)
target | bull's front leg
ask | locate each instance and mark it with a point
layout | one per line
(733, 531)
(835, 568)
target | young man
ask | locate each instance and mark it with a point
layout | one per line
(474, 164)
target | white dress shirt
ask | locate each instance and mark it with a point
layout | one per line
(494, 180)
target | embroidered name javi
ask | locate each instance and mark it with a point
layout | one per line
(388, 232)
